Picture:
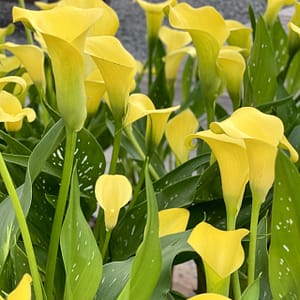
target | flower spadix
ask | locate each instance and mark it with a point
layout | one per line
(22, 291)
(209, 296)
(172, 220)
(64, 43)
(262, 135)
(118, 68)
(221, 251)
(112, 193)
(177, 129)
(140, 105)
(231, 155)
(273, 8)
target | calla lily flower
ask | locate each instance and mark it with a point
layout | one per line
(45, 6)
(95, 89)
(208, 30)
(221, 252)
(154, 15)
(7, 64)
(19, 81)
(273, 8)
(32, 58)
(231, 155)
(22, 291)
(177, 129)
(209, 296)
(139, 106)
(118, 68)
(172, 220)
(12, 113)
(112, 193)
(240, 35)
(232, 67)
(262, 134)
(65, 44)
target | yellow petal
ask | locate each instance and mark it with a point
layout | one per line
(240, 35)
(173, 39)
(273, 8)
(139, 106)
(231, 155)
(14, 79)
(221, 250)
(45, 6)
(294, 27)
(249, 122)
(285, 144)
(112, 193)
(7, 64)
(209, 296)
(5, 31)
(177, 129)
(294, 37)
(118, 68)
(173, 59)
(23, 290)
(154, 15)
(173, 220)
(12, 113)
(232, 67)
(32, 58)
(59, 22)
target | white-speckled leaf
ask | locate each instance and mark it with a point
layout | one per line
(284, 268)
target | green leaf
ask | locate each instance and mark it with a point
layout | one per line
(252, 291)
(8, 224)
(187, 77)
(171, 245)
(292, 79)
(284, 263)
(146, 265)
(262, 66)
(80, 252)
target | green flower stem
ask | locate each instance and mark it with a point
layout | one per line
(236, 287)
(71, 137)
(27, 31)
(139, 150)
(256, 204)
(116, 148)
(106, 243)
(23, 228)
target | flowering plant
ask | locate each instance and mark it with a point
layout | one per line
(108, 183)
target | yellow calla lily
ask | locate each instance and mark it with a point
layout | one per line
(112, 193)
(208, 30)
(232, 66)
(154, 15)
(23, 289)
(118, 68)
(173, 39)
(32, 58)
(209, 296)
(240, 35)
(262, 134)
(19, 81)
(95, 89)
(221, 252)
(172, 220)
(12, 113)
(177, 129)
(7, 64)
(231, 155)
(140, 105)
(273, 8)
(65, 44)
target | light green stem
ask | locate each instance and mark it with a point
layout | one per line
(71, 137)
(116, 148)
(106, 243)
(256, 204)
(23, 228)
(139, 150)
(27, 31)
